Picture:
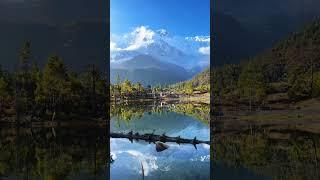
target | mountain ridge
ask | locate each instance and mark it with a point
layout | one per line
(148, 71)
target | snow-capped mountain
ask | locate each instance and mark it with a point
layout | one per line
(160, 50)
(162, 46)
(155, 57)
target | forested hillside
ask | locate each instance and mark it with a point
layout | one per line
(200, 82)
(288, 72)
(31, 91)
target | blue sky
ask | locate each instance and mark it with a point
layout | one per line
(182, 17)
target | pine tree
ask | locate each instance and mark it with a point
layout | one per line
(55, 83)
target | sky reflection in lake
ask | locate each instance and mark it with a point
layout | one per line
(177, 162)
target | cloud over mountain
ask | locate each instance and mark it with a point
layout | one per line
(184, 51)
(142, 38)
(205, 50)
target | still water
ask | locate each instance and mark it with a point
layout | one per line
(176, 162)
(241, 150)
(265, 146)
(260, 154)
(52, 153)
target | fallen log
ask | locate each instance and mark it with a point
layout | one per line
(153, 138)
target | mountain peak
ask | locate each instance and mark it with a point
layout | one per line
(160, 45)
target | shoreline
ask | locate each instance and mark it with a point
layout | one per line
(205, 98)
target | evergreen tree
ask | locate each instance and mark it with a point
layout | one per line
(55, 84)
(4, 94)
(251, 83)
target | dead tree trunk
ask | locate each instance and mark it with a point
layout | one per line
(153, 138)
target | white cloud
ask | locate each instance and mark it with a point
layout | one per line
(206, 146)
(142, 37)
(113, 46)
(199, 38)
(204, 50)
(149, 162)
(125, 46)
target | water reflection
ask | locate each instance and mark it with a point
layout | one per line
(46, 153)
(265, 148)
(178, 161)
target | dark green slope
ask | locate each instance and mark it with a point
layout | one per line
(290, 71)
(200, 82)
(201, 79)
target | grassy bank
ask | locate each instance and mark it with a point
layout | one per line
(203, 98)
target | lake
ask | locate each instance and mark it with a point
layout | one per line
(266, 145)
(242, 149)
(53, 153)
(177, 162)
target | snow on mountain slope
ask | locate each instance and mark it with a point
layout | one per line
(182, 51)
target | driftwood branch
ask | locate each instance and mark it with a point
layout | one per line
(153, 138)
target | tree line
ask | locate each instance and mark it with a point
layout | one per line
(289, 72)
(54, 89)
(200, 82)
(128, 89)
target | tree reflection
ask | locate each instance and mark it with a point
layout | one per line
(39, 154)
(127, 112)
(280, 155)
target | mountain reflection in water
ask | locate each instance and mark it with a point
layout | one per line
(176, 162)
(241, 149)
